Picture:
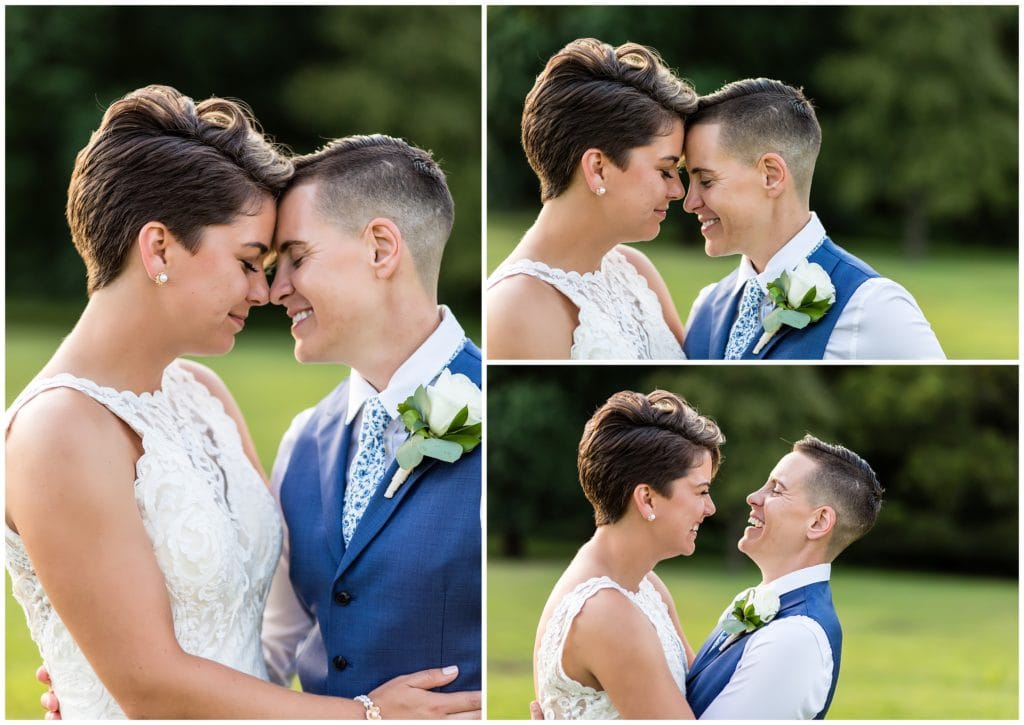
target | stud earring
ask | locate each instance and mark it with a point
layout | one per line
(650, 516)
(600, 191)
(161, 278)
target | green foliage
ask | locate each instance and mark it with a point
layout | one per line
(405, 71)
(960, 663)
(942, 439)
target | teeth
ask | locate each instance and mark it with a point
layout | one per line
(708, 223)
(300, 316)
(694, 529)
(757, 524)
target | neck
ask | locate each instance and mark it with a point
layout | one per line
(770, 571)
(115, 343)
(570, 233)
(406, 328)
(621, 553)
(785, 222)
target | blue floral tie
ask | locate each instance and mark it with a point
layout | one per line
(748, 320)
(367, 467)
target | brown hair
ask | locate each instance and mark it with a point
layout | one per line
(848, 484)
(758, 116)
(635, 438)
(159, 156)
(591, 95)
(363, 177)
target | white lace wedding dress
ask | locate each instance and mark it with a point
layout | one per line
(620, 317)
(214, 526)
(561, 697)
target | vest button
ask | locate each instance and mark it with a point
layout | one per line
(340, 663)
(342, 598)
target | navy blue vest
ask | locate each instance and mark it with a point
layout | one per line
(709, 331)
(405, 594)
(712, 670)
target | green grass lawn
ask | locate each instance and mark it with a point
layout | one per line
(915, 646)
(970, 297)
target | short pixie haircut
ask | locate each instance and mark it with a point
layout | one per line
(364, 177)
(159, 156)
(591, 95)
(758, 116)
(635, 438)
(845, 482)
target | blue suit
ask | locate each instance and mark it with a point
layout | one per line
(405, 594)
(712, 669)
(709, 330)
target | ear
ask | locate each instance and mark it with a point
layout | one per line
(153, 241)
(593, 164)
(385, 245)
(823, 523)
(774, 174)
(643, 499)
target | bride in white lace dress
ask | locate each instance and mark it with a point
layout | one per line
(603, 130)
(609, 644)
(141, 537)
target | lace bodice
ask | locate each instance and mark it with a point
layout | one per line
(620, 317)
(214, 526)
(561, 697)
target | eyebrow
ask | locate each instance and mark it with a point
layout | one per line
(264, 249)
(698, 170)
(286, 245)
(673, 159)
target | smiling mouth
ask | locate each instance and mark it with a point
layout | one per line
(300, 316)
(707, 224)
(755, 522)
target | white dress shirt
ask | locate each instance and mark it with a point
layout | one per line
(287, 626)
(882, 321)
(785, 671)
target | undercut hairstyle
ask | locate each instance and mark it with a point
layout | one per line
(759, 116)
(159, 156)
(364, 177)
(848, 484)
(635, 438)
(591, 95)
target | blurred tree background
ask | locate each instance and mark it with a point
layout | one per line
(310, 74)
(918, 104)
(942, 439)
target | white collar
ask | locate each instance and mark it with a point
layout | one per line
(796, 249)
(801, 578)
(420, 368)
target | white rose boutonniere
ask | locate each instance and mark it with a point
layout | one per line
(802, 295)
(444, 420)
(752, 608)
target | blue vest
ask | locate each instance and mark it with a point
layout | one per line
(712, 670)
(405, 594)
(709, 331)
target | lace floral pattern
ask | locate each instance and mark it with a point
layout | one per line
(620, 317)
(214, 526)
(561, 697)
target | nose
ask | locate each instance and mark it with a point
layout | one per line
(259, 291)
(675, 188)
(692, 202)
(756, 498)
(281, 288)
(709, 507)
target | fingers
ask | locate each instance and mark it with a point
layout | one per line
(536, 713)
(472, 715)
(462, 702)
(43, 675)
(429, 679)
(49, 701)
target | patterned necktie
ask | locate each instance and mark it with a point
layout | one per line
(367, 467)
(748, 320)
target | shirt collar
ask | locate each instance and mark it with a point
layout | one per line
(796, 249)
(801, 578)
(420, 368)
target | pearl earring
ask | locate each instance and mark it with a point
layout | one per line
(161, 278)
(650, 516)
(600, 191)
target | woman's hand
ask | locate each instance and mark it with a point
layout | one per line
(49, 699)
(409, 697)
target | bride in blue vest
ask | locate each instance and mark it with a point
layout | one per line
(603, 130)
(610, 644)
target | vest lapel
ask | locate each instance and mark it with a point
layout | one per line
(333, 440)
(723, 317)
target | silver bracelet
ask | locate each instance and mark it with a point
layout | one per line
(372, 711)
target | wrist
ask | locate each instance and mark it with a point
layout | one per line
(372, 710)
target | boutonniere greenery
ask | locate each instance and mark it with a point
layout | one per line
(801, 295)
(444, 422)
(752, 608)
